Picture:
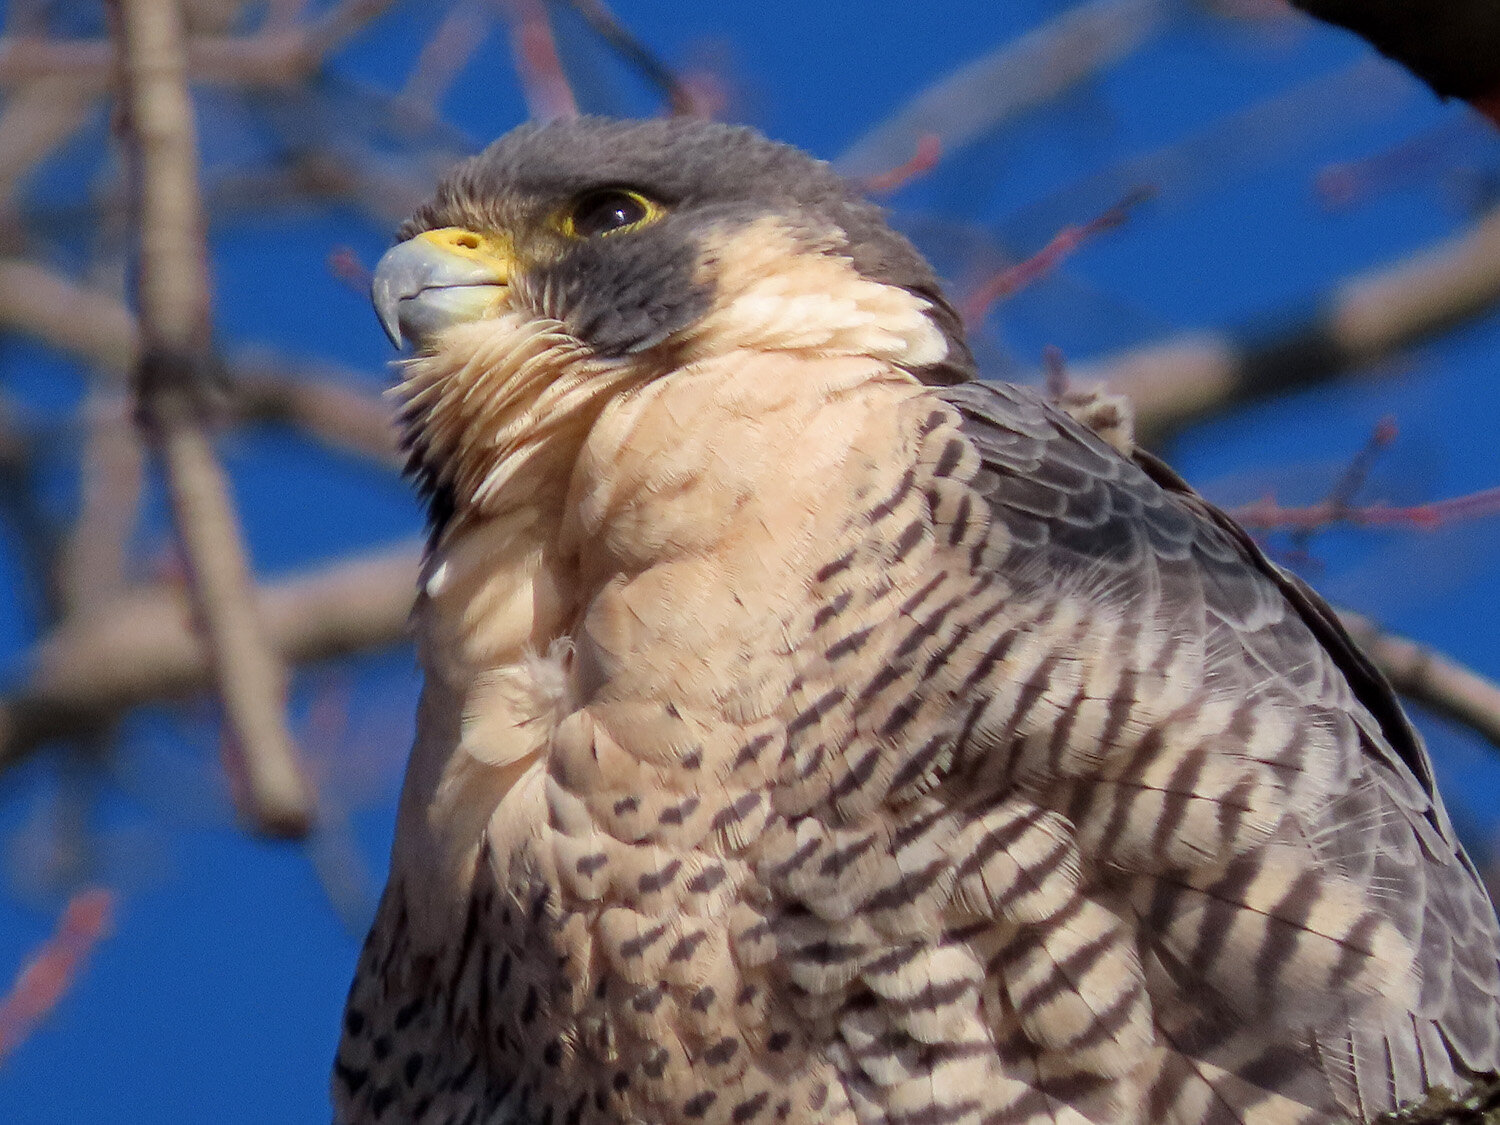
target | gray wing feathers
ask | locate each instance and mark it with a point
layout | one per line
(1133, 538)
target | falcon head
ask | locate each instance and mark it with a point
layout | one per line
(573, 260)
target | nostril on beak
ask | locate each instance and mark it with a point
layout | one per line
(437, 278)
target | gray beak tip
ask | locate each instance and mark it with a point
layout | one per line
(420, 285)
(386, 314)
(385, 295)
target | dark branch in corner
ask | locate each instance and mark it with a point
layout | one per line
(1452, 45)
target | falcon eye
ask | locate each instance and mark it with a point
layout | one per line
(609, 212)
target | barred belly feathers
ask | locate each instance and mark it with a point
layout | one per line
(815, 734)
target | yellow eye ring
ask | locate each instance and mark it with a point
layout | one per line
(608, 211)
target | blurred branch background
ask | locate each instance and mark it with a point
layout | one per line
(1264, 236)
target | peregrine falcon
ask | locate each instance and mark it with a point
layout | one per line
(813, 733)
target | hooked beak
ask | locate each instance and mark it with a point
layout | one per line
(439, 278)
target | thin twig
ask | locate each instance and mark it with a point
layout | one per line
(1223, 153)
(53, 968)
(1339, 502)
(928, 152)
(543, 79)
(623, 42)
(446, 52)
(1425, 157)
(1267, 515)
(176, 358)
(1357, 471)
(1063, 243)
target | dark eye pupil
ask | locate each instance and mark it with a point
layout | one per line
(605, 211)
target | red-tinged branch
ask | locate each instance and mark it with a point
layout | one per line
(445, 54)
(1267, 515)
(1109, 415)
(345, 265)
(538, 66)
(1054, 372)
(1012, 280)
(1417, 159)
(53, 968)
(1353, 478)
(1338, 506)
(928, 152)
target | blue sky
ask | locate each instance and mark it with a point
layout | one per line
(218, 996)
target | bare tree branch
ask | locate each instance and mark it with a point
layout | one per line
(1428, 677)
(318, 402)
(1363, 320)
(87, 323)
(144, 646)
(175, 358)
(1016, 76)
(38, 118)
(623, 42)
(94, 559)
(101, 332)
(977, 304)
(276, 56)
(461, 33)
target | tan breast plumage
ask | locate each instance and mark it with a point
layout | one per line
(802, 743)
(787, 786)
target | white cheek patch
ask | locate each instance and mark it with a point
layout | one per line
(775, 292)
(924, 342)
